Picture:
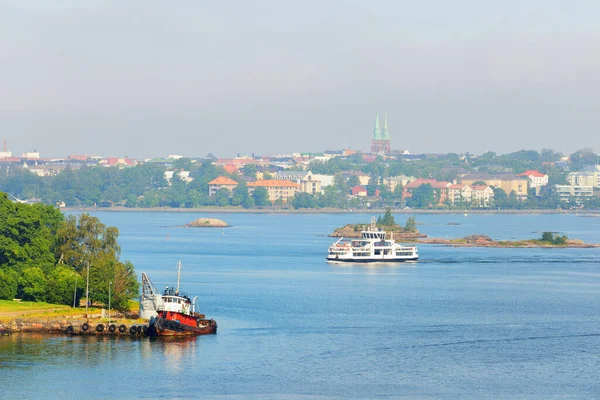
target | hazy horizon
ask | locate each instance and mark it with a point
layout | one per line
(146, 79)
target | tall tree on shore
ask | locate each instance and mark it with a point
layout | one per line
(86, 242)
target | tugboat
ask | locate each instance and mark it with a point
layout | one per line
(372, 247)
(172, 313)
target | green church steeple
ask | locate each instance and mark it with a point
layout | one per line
(377, 131)
(385, 135)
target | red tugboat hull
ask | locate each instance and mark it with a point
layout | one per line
(169, 323)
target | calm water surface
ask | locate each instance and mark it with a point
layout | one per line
(460, 323)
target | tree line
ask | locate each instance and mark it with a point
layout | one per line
(145, 185)
(47, 256)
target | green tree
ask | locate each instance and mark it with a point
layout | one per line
(260, 197)
(222, 197)
(422, 197)
(303, 200)
(353, 181)
(8, 284)
(32, 284)
(240, 193)
(182, 164)
(398, 190)
(248, 202)
(250, 171)
(27, 235)
(388, 218)
(61, 286)
(86, 242)
(411, 225)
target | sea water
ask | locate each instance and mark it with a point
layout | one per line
(460, 323)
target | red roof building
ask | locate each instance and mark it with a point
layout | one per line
(359, 191)
(219, 183)
(277, 189)
(440, 186)
(230, 168)
(536, 179)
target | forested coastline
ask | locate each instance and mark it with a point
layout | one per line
(47, 256)
(145, 185)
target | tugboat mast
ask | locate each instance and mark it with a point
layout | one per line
(178, 276)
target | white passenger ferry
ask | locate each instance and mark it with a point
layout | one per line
(371, 247)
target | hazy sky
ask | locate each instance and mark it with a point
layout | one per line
(151, 78)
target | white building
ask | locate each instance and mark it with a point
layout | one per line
(31, 155)
(565, 192)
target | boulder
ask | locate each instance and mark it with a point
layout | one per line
(207, 223)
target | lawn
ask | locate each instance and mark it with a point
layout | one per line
(10, 309)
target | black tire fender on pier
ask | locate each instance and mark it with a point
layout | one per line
(122, 328)
(133, 330)
(69, 330)
(85, 326)
(145, 330)
(139, 329)
(99, 328)
(112, 328)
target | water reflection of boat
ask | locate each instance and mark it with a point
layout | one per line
(172, 312)
(371, 247)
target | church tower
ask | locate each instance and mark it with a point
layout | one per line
(380, 144)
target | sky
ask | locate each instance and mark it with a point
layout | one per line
(151, 78)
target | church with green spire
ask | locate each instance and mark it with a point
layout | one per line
(380, 144)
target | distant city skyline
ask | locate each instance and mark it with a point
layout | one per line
(143, 79)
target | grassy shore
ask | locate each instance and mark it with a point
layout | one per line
(13, 309)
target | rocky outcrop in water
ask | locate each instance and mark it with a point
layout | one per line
(207, 223)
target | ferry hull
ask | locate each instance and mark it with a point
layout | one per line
(372, 259)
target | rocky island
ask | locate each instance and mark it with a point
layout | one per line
(207, 223)
(386, 223)
(548, 240)
(409, 233)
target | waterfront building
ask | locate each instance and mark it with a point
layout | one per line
(460, 193)
(221, 182)
(277, 189)
(588, 177)
(392, 181)
(481, 195)
(309, 183)
(566, 192)
(326, 180)
(506, 181)
(440, 187)
(536, 180)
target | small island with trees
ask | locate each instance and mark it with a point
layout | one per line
(386, 223)
(409, 233)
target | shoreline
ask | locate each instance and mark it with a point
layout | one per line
(318, 210)
(501, 244)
